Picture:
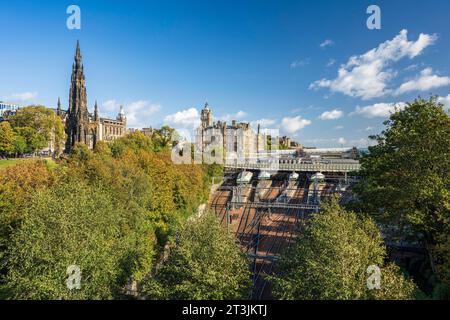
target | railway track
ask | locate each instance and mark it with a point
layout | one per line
(219, 203)
(263, 233)
(280, 233)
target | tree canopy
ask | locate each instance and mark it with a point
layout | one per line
(7, 138)
(406, 178)
(34, 127)
(331, 257)
(205, 262)
(109, 213)
(165, 137)
(85, 229)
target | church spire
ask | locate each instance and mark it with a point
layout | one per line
(77, 124)
(78, 54)
(58, 109)
(96, 117)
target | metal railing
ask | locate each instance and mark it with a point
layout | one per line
(301, 167)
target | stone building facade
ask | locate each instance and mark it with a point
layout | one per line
(235, 140)
(81, 126)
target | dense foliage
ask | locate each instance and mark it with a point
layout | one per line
(115, 210)
(331, 257)
(87, 230)
(109, 211)
(31, 129)
(406, 178)
(205, 262)
(7, 138)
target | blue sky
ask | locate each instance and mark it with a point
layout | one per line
(305, 67)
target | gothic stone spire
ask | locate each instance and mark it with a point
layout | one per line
(58, 109)
(96, 117)
(77, 124)
(78, 55)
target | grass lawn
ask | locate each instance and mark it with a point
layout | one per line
(10, 162)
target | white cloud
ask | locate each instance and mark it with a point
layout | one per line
(110, 106)
(292, 125)
(369, 128)
(138, 113)
(327, 43)
(333, 142)
(240, 114)
(361, 143)
(21, 97)
(411, 67)
(188, 119)
(445, 101)
(233, 116)
(425, 81)
(338, 127)
(367, 76)
(331, 115)
(319, 141)
(381, 110)
(342, 141)
(299, 63)
(264, 123)
(331, 62)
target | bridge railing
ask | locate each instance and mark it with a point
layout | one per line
(303, 167)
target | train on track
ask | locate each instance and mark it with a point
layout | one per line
(244, 177)
(293, 176)
(264, 175)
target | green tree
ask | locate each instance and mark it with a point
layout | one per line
(165, 137)
(149, 197)
(406, 177)
(17, 185)
(102, 148)
(134, 141)
(39, 125)
(331, 257)
(80, 153)
(73, 224)
(7, 138)
(118, 148)
(33, 140)
(204, 263)
(20, 145)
